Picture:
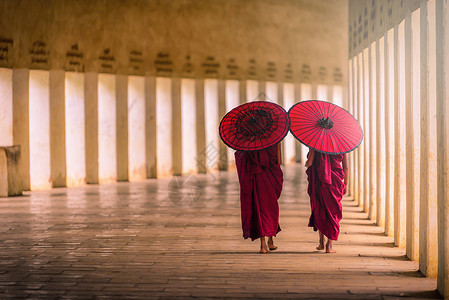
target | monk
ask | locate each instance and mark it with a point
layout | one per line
(261, 179)
(328, 177)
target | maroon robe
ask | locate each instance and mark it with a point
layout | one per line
(261, 179)
(326, 189)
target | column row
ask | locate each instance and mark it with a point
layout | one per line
(398, 92)
(77, 128)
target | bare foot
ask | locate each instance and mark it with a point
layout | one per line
(271, 245)
(264, 250)
(320, 247)
(329, 249)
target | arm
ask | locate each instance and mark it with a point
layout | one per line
(279, 154)
(346, 171)
(311, 157)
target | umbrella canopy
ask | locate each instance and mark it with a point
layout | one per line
(254, 126)
(325, 127)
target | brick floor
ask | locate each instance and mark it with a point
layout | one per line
(181, 238)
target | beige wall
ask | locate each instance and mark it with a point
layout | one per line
(299, 40)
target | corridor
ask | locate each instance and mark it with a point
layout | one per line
(181, 238)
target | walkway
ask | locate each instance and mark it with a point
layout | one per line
(168, 239)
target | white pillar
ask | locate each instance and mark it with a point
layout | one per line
(442, 21)
(91, 126)
(413, 135)
(372, 115)
(337, 95)
(188, 117)
(58, 166)
(252, 90)
(321, 92)
(136, 129)
(164, 127)
(381, 144)
(6, 113)
(40, 175)
(177, 129)
(211, 122)
(121, 119)
(415, 154)
(365, 121)
(399, 154)
(289, 145)
(360, 116)
(271, 90)
(21, 122)
(150, 127)
(75, 129)
(232, 101)
(389, 131)
(306, 94)
(428, 259)
(107, 134)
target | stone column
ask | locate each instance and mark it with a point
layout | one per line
(222, 158)
(381, 144)
(428, 258)
(136, 128)
(365, 120)
(150, 126)
(188, 116)
(40, 173)
(372, 114)
(289, 101)
(91, 126)
(57, 129)
(176, 127)
(75, 129)
(252, 90)
(352, 95)
(233, 99)
(389, 132)
(299, 148)
(6, 113)
(211, 151)
(21, 119)
(107, 128)
(242, 91)
(200, 126)
(442, 21)
(412, 133)
(164, 127)
(399, 153)
(360, 149)
(122, 127)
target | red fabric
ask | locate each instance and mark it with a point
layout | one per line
(261, 179)
(326, 189)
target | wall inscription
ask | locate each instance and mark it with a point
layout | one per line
(306, 72)
(107, 61)
(252, 68)
(5, 49)
(135, 62)
(210, 66)
(74, 59)
(322, 73)
(271, 70)
(288, 72)
(39, 54)
(187, 68)
(232, 68)
(337, 75)
(163, 64)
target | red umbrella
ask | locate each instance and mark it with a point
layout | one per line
(325, 127)
(254, 126)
